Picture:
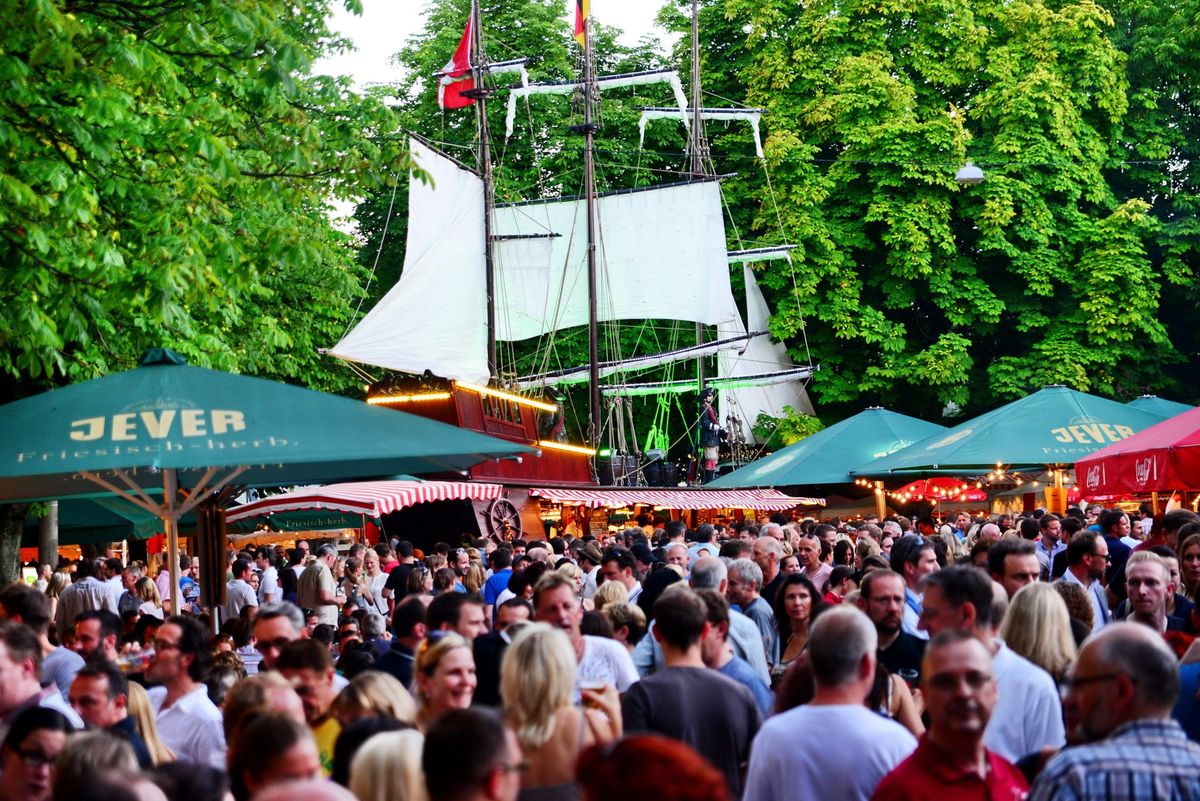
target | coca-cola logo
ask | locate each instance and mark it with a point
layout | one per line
(1092, 479)
(1141, 469)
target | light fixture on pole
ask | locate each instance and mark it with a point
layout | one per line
(969, 175)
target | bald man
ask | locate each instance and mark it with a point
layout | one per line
(1118, 705)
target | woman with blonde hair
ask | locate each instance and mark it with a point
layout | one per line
(575, 574)
(444, 677)
(476, 577)
(147, 724)
(59, 581)
(388, 768)
(864, 548)
(1038, 627)
(147, 592)
(610, 592)
(537, 683)
(373, 693)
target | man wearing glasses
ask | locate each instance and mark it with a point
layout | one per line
(951, 760)
(188, 722)
(1028, 717)
(1118, 704)
(1087, 559)
(275, 626)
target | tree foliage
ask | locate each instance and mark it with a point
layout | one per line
(167, 169)
(914, 291)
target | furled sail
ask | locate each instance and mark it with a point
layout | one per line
(434, 318)
(754, 393)
(516, 65)
(684, 115)
(667, 76)
(576, 374)
(660, 251)
(641, 388)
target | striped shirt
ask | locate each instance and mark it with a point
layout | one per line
(1145, 760)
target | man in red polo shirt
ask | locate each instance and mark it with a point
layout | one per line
(951, 760)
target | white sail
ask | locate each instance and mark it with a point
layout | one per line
(660, 256)
(667, 76)
(434, 318)
(750, 115)
(761, 356)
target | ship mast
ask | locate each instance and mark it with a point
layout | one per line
(696, 151)
(588, 129)
(480, 93)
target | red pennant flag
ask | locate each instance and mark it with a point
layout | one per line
(451, 83)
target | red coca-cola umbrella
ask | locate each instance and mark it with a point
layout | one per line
(1160, 458)
(943, 488)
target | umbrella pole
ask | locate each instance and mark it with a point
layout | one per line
(880, 501)
(171, 530)
(1154, 503)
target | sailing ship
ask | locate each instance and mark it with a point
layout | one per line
(479, 275)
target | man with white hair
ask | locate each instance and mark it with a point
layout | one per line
(856, 746)
(677, 554)
(772, 530)
(744, 588)
(709, 573)
(768, 553)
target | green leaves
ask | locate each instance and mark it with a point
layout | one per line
(163, 172)
(916, 291)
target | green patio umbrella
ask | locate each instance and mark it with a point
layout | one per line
(1054, 426)
(1160, 406)
(828, 456)
(167, 425)
(101, 519)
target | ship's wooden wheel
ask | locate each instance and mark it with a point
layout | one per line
(503, 520)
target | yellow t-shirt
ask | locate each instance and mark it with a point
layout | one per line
(326, 735)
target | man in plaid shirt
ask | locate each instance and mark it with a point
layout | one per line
(1118, 701)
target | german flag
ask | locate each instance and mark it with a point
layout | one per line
(582, 8)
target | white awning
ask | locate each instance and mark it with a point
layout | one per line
(371, 498)
(766, 500)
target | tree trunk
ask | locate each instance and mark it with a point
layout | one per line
(12, 518)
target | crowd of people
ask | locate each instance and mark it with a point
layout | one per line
(1004, 657)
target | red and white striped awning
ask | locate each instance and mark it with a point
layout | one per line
(370, 498)
(767, 500)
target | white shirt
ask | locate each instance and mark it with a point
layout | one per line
(115, 587)
(191, 727)
(1028, 713)
(589, 582)
(607, 661)
(375, 584)
(238, 595)
(268, 586)
(836, 752)
(84, 595)
(635, 592)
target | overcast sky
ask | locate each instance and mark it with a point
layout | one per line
(386, 24)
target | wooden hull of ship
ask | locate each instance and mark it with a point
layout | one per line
(515, 423)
